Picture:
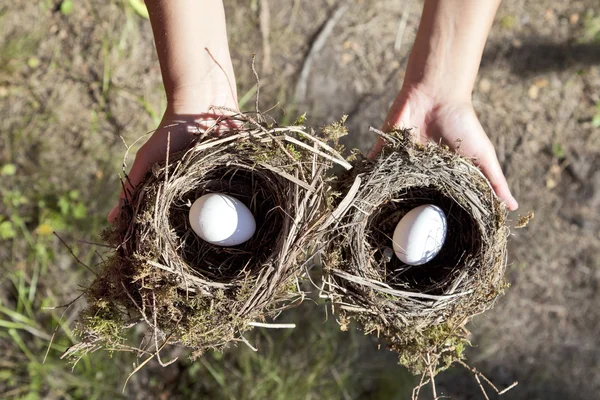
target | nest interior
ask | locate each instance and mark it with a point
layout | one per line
(463, 238)
(420, 310)
(257, 189)
(187, 291)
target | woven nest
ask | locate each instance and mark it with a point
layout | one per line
(419, 310)
(183, 290)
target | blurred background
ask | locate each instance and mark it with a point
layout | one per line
(77, 75)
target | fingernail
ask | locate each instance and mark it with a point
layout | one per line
(513, 206)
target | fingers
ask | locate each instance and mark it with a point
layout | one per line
(176, 134)
(489, 165)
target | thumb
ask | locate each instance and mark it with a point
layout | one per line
(489, 165)
(397, 117)
(136, 174)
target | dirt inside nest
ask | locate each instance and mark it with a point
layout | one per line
(462, 240)
(226, 264)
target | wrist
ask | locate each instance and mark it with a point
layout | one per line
(447, 52)
(186, 104)
(202, 98)
(438, 73)
(435, 94)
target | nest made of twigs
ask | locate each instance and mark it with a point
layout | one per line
(187, 291)
(419, 310)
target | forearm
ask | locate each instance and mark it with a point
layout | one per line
(449, 44)
(183, 30)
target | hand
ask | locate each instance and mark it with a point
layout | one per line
(178, 128)
(451, 121)
(191, 44)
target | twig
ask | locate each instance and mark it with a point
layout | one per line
(272, 326)
(103, 260)
(515, 383)
(188, 276)
(417, 389)
(156, 335)
(64, 305)
(94, 243)
(136, 305)
(478, 374)
(128, 149)
(54, 334)
(432, 377)
(257, 87)
(73, 254)
(481, 387)
(145, 362)
(377, 286)
(126, 191)
(287, 176)
(341, 162)
(302, 132)
(167, 156)
(341, 209)
(231, 91)
(248, 343)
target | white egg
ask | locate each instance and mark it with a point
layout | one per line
(420, 234)
(222, 220)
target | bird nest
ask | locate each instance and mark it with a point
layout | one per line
(183, 290)
(420, 310)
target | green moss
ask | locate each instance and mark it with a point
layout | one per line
(441, 341)
(300, 120)
(336, 130)
(295, 153)
(291, 286)
(103, 320)
(244, 291)
(333, 198)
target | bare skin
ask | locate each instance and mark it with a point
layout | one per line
(197, 74)
(435, 98)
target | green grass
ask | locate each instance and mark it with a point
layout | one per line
(31, 367)
(288, 365)
(33, 281)
(315, 360)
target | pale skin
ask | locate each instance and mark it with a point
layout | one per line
(435, 98)
(197, 74)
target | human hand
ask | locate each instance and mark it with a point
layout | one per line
(180, 125)
(191, 44)
(451, 121)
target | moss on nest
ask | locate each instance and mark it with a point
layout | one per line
(419, 310)
(185, 291)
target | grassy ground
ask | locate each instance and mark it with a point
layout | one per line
(75, 77)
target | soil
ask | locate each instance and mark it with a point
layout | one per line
(77, 82)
